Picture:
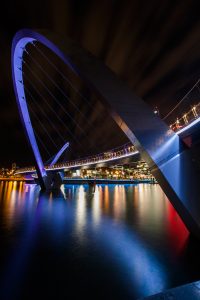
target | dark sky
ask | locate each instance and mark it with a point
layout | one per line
(154, 46)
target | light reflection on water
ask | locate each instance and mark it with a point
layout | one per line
(127, 239)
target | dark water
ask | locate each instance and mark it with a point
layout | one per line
(117, 242)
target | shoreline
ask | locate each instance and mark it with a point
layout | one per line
(88, 181)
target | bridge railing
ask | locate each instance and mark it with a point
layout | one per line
(186, 110)
(106, 156)
(116, 153)
(121, 151)
(187, 118)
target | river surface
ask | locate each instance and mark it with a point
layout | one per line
(107, 242)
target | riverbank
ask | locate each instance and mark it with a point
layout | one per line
(106, 181)
(88, 181)
(13, 179)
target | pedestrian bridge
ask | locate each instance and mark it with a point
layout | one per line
(186, 131)
(110, 156)
(168, 157)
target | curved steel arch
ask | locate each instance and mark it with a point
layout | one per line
(162, 149)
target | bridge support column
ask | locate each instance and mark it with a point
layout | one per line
(53, 180)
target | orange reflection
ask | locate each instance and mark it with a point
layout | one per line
(96, 205)
(119, 202)
(81, 211)
(8, 208)
(106, 198)
(13, 196)
(135, 196)
(151, 208)
(1, 189)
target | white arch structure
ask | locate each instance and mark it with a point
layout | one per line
(166, 155)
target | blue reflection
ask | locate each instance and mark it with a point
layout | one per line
(139, 267)
(104, 229)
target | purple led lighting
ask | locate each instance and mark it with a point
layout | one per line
(60, 152)
(20, 40)
(18, 47)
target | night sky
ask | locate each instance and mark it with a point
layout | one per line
(154, 46)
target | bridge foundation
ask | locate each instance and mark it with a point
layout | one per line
(52, 181)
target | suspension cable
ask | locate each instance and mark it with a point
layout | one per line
(63, 76)
(60, 89)
(53, 111)
(46, 116)
(41, 142)
(38, 120)
(169, 113)
(52, 95)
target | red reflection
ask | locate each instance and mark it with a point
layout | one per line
(178, 233)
